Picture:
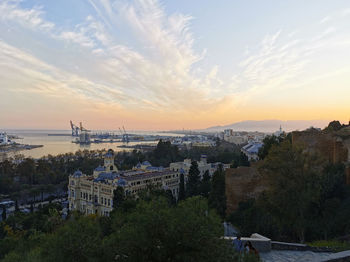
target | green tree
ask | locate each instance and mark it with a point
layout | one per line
(193, 182)
(334, 126)
(268, 142)
(205, 185)
(78, 240)
(182, 188)
(16, 205)
(293, 178)
(3, 215)
(217, 196)
(118, 197)
(154, 231)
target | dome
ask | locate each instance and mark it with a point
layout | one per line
(100, 168)
(146, 163)
(77, 173)
(110, 153)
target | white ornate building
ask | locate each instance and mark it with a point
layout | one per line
(94, 194)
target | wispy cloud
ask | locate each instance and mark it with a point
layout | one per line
(161, 70)
(325, 19)
(33, 18)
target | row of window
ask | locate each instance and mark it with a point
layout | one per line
(173, 182)
(105, 201)
(150, 180)
(167, 177)
(85, 196)
(138, 190)
(106, 190)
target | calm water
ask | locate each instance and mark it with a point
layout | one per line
(55, 145)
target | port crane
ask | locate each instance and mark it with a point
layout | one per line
(75, 129)
(83, 128)
(125, 137)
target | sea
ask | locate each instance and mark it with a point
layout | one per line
(62, 142)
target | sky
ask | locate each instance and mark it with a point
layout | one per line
(161, 65)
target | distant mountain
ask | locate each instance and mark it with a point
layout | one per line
(270, 125)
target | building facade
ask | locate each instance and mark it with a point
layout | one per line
(251, 150)
(94, 194)
(203, 166)
(4, 139)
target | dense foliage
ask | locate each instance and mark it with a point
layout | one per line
(217, 196)
(166, 153)
(193, 183)
(25, 178)
(150, 229)
(306, 199)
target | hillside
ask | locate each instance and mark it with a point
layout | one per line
(270, 125)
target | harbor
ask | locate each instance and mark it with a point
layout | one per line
(8, 145)
(41, 143)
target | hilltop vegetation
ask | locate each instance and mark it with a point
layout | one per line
(149, 229)
(306, 197)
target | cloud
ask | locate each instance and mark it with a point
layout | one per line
(325, 19)
(155, 67)
(32, 18)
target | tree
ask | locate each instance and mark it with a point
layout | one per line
(205, 185)
(16, 205)
(217, 196)
(293, 178)
(243, 160)
(192, 186)
(118, 197)
(164, 154)
(155, 231)
(182, 188)
(3, 215)
(334, 126)
(79, 239)
(268, 142)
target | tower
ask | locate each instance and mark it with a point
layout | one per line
(109, 161)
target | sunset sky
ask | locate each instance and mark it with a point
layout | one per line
(155, 65)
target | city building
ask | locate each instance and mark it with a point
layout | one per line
(279, 132)
(242, 137)
(94, 194)
(203, 166)
(4, 140)
(251, 150)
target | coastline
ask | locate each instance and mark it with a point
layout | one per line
(17, 147)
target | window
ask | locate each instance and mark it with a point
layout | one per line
(81, 194)
(109, 202)
(102, 200)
